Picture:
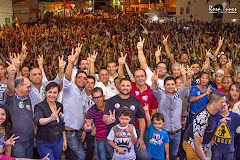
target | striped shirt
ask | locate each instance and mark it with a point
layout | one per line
(96, 115)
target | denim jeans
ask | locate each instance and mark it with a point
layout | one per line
(220, 155)
(23, 149)
(90, 146)
(74, 143)
(102, 149)
(54, 149)
(142, 155)
(174, 145)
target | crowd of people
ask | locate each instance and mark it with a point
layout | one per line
(118, 88)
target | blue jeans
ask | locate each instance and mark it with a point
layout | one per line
(174, 145)
(23, 149)
(74, 143)
(220, 155)
(142, 155)
(102, 149)
(54, 149)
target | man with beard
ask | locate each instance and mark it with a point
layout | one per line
(161, 68)
(125, 100)
(170, 105)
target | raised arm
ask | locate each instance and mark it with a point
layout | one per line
(158, 54)
(207, 61)
(121, 62)
(189, 77)
(61, 66)
(11, 78)
(148, 117)
(171, 58)
(23, 54)
(220, 43)
(154, 81)
(71, 60)
(141, 56)
(92, 59)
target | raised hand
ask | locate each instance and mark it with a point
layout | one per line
(183, 70)
(54, 115)
(78, 49)
(111, 117)
(24, 47)
(11, 56)
(208, 52)
(145, 108)
(61, 62)
(165, 40)
(92, 57)
(229, 64)
(158, 52)
(11, 68)
(72, 57)
(189, 72)
(40, 61)
(11, 141)
(155, 78)
(220, 41)
(208, 91)
(16, 60)
(122, 59)
(140, 43)
(205, 66)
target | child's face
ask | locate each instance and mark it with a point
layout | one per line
(157, 124)
(124, 120)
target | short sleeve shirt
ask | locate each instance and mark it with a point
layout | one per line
(145, 97)
(156, 141)
(122, 138)
(116, 102)
(204, 125)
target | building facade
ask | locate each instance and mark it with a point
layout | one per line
(6, 12)
(209, 10)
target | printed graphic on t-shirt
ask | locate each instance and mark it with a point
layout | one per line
(156, 139)
(123, 139)
(222, 134)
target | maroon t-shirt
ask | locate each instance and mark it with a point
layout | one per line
(145, 97)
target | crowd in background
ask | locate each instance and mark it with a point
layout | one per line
(110, 81)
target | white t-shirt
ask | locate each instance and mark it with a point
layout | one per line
(149, 79)
(109, 91)
(122, 138)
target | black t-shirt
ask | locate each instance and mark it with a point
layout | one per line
(204, 125)
(20, 110)
(116, 102)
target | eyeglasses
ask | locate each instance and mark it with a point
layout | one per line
(97, 98)
(81, 77)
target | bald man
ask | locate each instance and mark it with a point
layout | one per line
(18, 104)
